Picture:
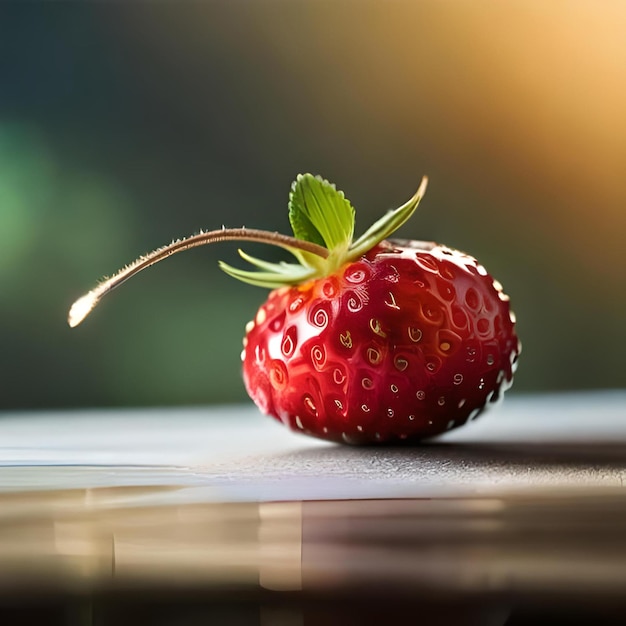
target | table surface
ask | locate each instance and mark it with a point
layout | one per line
(527, 499)
(575, 440)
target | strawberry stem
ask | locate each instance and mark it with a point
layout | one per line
(323, 223)
(84, 305)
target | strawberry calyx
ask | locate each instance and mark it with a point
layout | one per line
(320, 214)
(323, 223)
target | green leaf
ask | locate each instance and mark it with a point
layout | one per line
(302, 226)
(319, 213)
(268, 266)
(273, 275)
(387, 225)
(270, 279)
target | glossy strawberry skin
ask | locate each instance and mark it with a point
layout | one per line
(403, 344)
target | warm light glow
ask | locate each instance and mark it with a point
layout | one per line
(82, 308)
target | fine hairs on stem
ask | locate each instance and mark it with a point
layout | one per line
(85, 304)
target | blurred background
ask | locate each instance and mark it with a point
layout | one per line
(124, 125)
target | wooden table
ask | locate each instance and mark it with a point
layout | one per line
(144, 516)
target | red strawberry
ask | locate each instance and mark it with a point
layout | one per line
(406, 342)
(368, 340)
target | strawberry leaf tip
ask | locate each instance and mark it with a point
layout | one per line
(319, 213)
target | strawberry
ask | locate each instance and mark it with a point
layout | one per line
(368, 340)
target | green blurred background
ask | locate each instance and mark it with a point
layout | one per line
(124, 125)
